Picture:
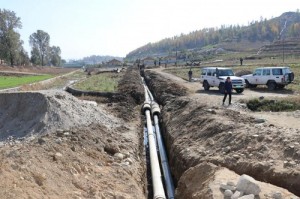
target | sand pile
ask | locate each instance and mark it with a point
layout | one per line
(27, 113)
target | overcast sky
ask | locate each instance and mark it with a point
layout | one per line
(116, 27)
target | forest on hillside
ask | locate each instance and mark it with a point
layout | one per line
(285, 26)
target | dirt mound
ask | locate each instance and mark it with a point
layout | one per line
(205, 180)
(27, 113)
(163, 89)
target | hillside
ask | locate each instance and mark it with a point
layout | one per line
(227, 38)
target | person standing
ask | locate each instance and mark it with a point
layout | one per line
(227, 90)
(190, 73)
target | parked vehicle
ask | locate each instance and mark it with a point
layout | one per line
(273, 77)
(216, 77)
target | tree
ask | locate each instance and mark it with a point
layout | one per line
(55, 57)
(39, 42)
(10, 42)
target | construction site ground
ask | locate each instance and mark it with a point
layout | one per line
(54, 145)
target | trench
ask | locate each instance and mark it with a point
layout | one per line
(168, 95)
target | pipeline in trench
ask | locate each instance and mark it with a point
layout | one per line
(162, 182)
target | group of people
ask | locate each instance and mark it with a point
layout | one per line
(227, 87)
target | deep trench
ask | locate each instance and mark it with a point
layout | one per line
(278, 179)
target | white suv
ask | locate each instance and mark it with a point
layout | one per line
(273, 77)
(216, 77)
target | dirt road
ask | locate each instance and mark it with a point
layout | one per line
(213, 97)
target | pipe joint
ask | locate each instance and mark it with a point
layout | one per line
(146, 106)
(155, 108)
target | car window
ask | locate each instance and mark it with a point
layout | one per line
(258, 72)
(277, 71)
(286, 70)
(208, 72)
(266, 71)
(227, 72)
(203, 72)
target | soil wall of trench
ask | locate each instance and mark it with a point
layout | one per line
(195, 132)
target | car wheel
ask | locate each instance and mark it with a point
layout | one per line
(239, 90)
(248, 85)
(222, 88)
(206, 85)
(271, 86)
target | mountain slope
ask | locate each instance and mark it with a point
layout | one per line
(233, 38)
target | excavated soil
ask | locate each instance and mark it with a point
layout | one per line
(54, 145)
(197, 130)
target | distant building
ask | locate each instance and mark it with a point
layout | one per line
(113, 63)
(148, 61)
(73, 65)
(169, 60)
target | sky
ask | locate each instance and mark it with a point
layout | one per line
(115, 27)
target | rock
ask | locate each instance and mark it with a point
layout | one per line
(227, 149)
(73, 148)
(227, 187)
(41, 141)
(57, 156)
(259, 120)
(66, 134)
(250, 196)
(211, 111)
(236, 195)
(277, 195)
(119, 156)
(228, 193)
(59, 133)
(230, 183)
(129, 160)
(58, 140)
(75, 139)
(210, 141)
(248, 185)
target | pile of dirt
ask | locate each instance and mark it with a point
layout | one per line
(89, 162)
(24, 114)
(79, 149)
(197, 131)
(207, 180)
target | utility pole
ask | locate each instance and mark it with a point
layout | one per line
(282, 38)
(283, 50)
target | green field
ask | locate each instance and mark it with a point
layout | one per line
(15, 81)
(105, 82)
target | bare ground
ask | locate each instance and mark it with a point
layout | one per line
(57, 146)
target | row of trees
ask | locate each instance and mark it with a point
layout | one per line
(11, 45)
(256, 31)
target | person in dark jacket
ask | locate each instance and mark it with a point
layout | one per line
(190, 73)
(227, 90)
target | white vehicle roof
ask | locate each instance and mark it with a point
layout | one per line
(272, 67)
(220, 68)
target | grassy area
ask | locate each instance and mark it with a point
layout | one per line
(58, 83)
(287, 104)
(14, 81)
(183, 72)
(105, 82)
